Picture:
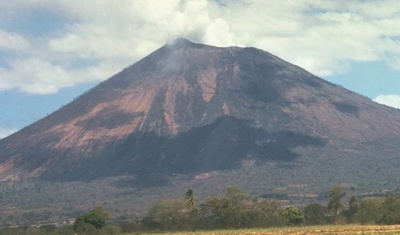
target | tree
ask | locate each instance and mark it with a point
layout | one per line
(91, 221)
(271, 213)
(234, 199)
(335, 201)
(293, 214)
(350, 212)
(389, 211)
(314, 214)
(228, 211)
(368, 210)
(191, 202)
(167, 215)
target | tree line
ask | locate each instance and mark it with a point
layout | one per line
(236, 209)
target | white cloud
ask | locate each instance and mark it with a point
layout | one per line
(218, 33)
(389, 100)
(321, 36)
(4, 132)
(36, 76)
(12, 41)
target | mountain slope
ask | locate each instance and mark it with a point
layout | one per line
(189, 108)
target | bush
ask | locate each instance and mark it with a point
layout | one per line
(315, 214)
(91, 221)
(368, 208)
(293, 214)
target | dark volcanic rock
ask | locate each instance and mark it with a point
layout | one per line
(189, 108)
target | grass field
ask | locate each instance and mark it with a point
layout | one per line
(325, 230)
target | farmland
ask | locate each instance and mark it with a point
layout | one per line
(308, 230)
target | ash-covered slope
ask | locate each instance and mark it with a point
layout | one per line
(190, 108)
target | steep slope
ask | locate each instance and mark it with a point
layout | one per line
(189, 108)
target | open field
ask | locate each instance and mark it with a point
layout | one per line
(325, 230)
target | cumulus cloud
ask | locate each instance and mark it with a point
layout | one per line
(36, 76)
(4, 132)
(389, 100)
(100, 37)
(12, 41)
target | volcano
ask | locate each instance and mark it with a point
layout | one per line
(194, 110)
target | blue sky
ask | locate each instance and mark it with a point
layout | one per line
(53, 50)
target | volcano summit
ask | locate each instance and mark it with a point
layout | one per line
(201, 111)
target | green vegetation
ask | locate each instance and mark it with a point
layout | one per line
(293, 215)
(315, 214)
(236, 210)
(335, 202)
(94, 222)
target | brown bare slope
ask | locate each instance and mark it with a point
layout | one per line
(189, 108)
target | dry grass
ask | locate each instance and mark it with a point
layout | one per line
(325, 230)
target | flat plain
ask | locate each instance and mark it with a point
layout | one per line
(308, 230)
